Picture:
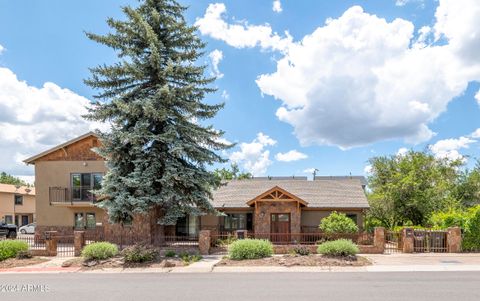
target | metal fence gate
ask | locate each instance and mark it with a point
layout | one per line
(393, 242)
(434, 241)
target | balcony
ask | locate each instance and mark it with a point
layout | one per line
(68, 197)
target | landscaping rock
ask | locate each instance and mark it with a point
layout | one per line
(167, 264)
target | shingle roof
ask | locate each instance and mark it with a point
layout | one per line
(336, 193)
(20, 190)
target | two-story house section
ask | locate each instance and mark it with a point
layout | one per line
(65, 177)
(17, 204)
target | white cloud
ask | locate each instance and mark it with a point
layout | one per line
(310, 170)
(241, 34)
(1, 49)
(402, 151)
(215, 57)
(290, 156)
(34, 119)
(253, 156)
(361, 79)
(277, 6)
(368, 169)
(405, 2)
(477, 97)
(449, 148)
(476, 133)
(225, 95)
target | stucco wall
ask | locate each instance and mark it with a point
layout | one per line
(57, 174)
(8, 207)
(312, 218)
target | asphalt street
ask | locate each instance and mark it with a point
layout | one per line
(438, 286)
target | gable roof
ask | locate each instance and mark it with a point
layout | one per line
(23, 190)
(32, 160)
(336, 193)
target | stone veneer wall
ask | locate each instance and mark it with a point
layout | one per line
(138, 231)
(262, 224)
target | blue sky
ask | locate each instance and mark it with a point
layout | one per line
(350, 80)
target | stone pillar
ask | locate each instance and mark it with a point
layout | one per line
(204, 240)
(51, 243)
(454, 240)
(408, 240)
(379, 239)
(241, 234)
(78, 242)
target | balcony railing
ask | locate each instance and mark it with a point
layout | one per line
(65, 195)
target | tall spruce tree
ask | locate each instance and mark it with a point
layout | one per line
(157, 150)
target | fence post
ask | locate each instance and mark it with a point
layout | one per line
(408, 240)
(51, 243)
(379, 239)
(454, 240)
(78, 241)
(241, 234)
(204, 239)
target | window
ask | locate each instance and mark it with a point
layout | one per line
(79, 222)
(18, 200)
(353, 217)
(237, 221)
(83, 184)
(187, 226)
(91, 222)
(8, 219)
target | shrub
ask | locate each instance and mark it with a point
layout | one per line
(188, 258)
(250, 249)
(471, 240)
(340, 247)
(451, 218)
(99, 250)
(10, 248)
(301, 250)
(170, 253)
(139, 253)
(338, 223)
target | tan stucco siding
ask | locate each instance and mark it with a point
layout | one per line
(312, 218)
(209, 221)
(8, 207)
(57, 174)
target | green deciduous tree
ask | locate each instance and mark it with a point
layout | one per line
(408, 188)
(232, 173)
(9, 179)
(159, 148)
(467, 188)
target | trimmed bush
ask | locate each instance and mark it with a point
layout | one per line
(99, 250)
(11, 248)
(338, 223)
(250, 249)
(340, 247)
(170, 253)
(139, 253)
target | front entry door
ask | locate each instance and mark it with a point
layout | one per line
(280, 227)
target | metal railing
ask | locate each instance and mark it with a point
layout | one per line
(66, 195)
(311, 238)
(425, 241)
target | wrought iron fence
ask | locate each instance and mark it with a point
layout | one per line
(65, 246)
(425, 241)
(311, 238)
(393, 242)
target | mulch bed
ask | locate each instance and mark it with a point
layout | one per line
(297, 260)
(14, 262)
(118, 262)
